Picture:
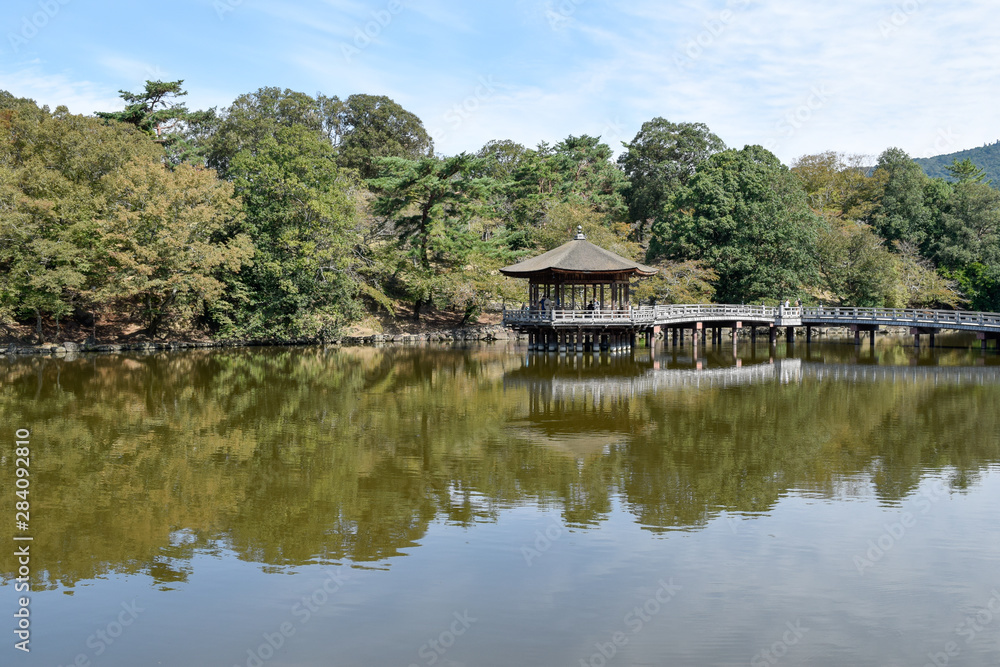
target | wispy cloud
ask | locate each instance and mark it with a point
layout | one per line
(902, 74)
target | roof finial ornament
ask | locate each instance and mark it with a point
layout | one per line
(579, 234)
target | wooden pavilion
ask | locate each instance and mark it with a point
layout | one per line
(579, 297)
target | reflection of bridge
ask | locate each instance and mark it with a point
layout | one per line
(783, 371)
(563, 329)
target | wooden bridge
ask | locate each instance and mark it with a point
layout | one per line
(556, 329)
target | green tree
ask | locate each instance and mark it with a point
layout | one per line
(161, 232)
(659, 160)
(900, 213)
(744, 215)
(52, 174)
(966, 171)
(373, 126)
(854, 266)
(152, 111)
(431, 203)
(677, 282)
(301, 210)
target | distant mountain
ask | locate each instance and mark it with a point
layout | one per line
(986, 158)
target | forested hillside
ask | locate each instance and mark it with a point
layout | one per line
(985, 157)
(286, 215)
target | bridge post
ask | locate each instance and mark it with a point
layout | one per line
(753, 335)
(871, 339)
(790, 334)
(703, 333)
(857, 336)
(772, 335)
(674, 335)
(932, 340)
(809, 334)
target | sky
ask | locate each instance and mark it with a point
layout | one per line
(796, 76)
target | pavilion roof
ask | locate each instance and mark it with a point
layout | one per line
(577, 256)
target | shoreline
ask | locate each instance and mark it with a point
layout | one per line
(487, 333)
(474, 333)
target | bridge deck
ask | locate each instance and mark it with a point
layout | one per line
(645, 317)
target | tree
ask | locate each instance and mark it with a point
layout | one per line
(152, 111)
(577, 170)
(966, 171)
(430, 203)
(162, 231)
(743, 215)
(840, 186)
(677, 282)
(900, 213)
(373, 126)
(854, 266)
(301, 210)
(52, 171)
(918, 285)
(658, 161)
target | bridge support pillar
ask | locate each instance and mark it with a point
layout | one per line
(857, 336)
(772, 335)
(703, 333)
(916, 331)
(673, 334)
(931, 341)
(809, 335)
(871, 339)
(790, 334)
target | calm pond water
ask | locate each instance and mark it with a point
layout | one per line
(821, 505)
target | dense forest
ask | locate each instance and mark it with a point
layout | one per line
(986, 157)
(287, 215)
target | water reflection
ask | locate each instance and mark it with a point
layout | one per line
(289, 457)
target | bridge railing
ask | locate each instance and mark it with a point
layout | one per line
(904, 316)
(648, 315)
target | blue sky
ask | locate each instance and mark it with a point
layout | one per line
(797, 76)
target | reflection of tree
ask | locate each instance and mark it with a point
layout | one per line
(292, 456)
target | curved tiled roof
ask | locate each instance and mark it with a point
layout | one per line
(578, 256)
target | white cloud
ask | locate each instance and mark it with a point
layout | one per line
(82, 97)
